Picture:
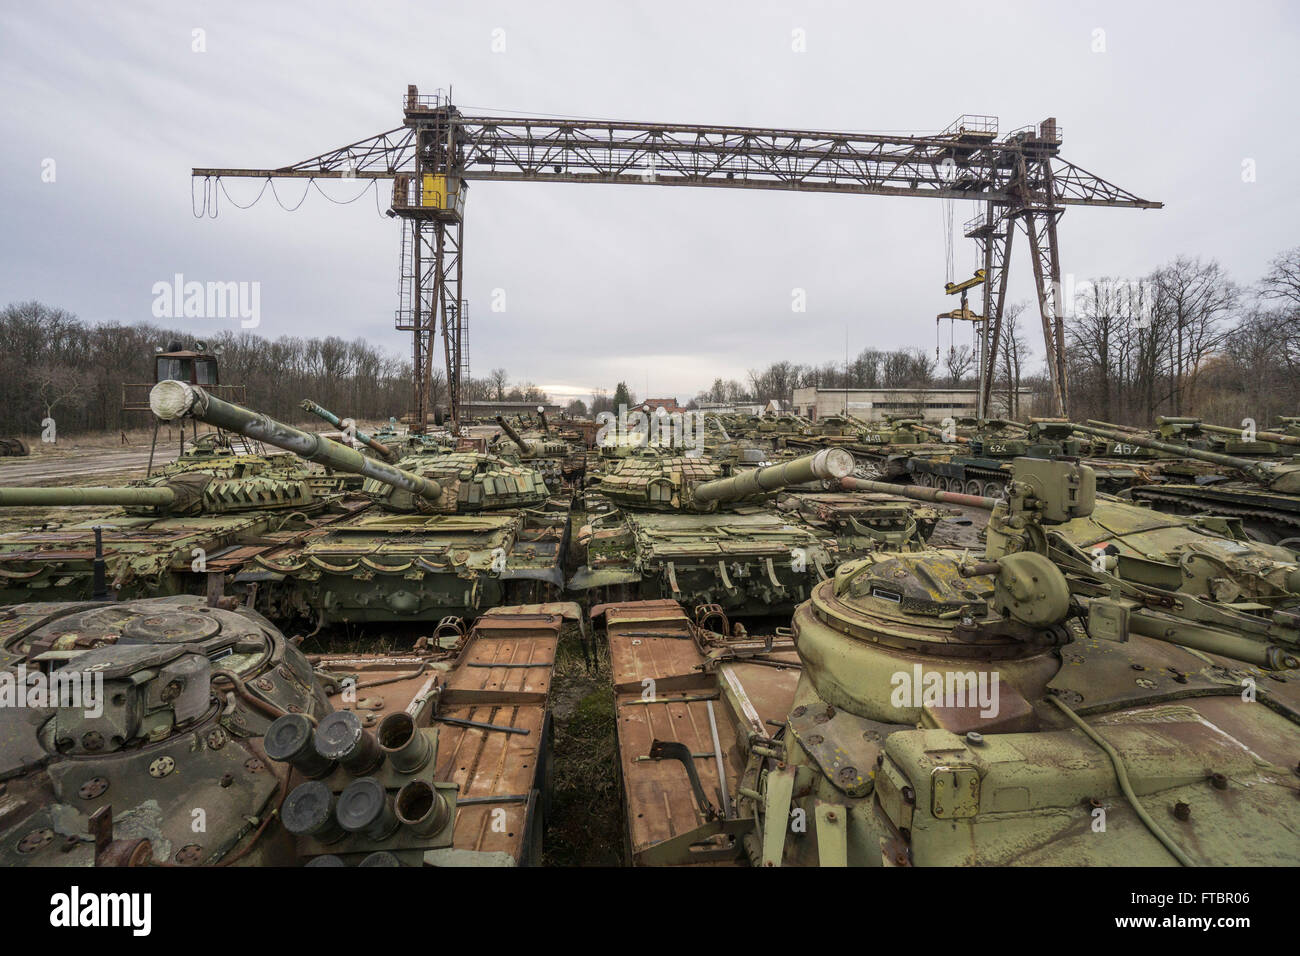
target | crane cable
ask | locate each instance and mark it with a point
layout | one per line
(209, 198)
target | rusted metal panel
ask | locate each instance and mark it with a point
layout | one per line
(495, 770)
(661, 804)
(492, 721)
(652, 641)
(566, 609)
(670, 708)
(505, 660)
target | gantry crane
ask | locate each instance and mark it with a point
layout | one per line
(437, 151)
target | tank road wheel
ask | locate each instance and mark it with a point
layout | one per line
(973, 487)
(926, 480)
(942, 483)
(992, 489)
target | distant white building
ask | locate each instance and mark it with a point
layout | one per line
(729, 408)
(930, 404)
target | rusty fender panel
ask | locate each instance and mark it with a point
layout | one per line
(653, 640)
(385, 683)
(494, 768)
(757, 695)
(521, 645)
(661, 803)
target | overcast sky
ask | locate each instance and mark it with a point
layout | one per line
(666, 288)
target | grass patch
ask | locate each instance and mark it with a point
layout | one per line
(586, 823)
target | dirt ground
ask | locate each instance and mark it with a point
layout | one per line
(585, 827)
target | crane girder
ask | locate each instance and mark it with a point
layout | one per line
(505, 150)
(1020, 178)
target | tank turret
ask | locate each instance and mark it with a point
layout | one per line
(432, 482)
(940, 434)
(527, 449)
(137, 681)
(678, 483)
(1172, 578)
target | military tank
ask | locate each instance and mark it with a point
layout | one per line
(928, 708)
(857, 522)
(178, 531)
(1288, 425)
(1234, 441)
(561, 465)
(456, 532)
(980, 463)
(890, 446)
(388, 443)
(670, 526)
(1266, 496)
(1201, 577)
(171, 732)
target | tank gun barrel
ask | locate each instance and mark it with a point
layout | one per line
(546, 427)
(171, 399)
(1274, 437)
(931, 430)
(160, 497)
(918, 493)
(1251, 467)
(1119, 428)
(525, 446)
(827, 463)
(322, 412)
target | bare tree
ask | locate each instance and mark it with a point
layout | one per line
(1196, 296)
(959, 361)
(1013, 352)
(1282, 281)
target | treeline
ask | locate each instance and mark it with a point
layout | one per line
(1187, 339)
(494, 387)
(872, 368)
(53, 364)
